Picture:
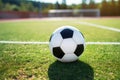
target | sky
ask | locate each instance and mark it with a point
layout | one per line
(69, 2)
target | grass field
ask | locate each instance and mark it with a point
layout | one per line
(35, 62)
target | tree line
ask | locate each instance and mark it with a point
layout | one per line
(107, 8)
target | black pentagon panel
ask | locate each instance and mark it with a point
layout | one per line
(57, 52)
(66, 33)
(79, 49)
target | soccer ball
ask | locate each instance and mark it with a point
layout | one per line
(67, 44)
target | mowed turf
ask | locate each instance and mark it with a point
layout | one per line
(35, 62)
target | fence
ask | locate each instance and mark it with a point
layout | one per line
(15, 14)
(75, 13)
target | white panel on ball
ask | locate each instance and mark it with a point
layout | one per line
(78, 37)
(56, 40)
(68, 46)
(69, 58)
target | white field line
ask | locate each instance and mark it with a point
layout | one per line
(103, 43)
(22, 42)
(87, 43)
(100, 26)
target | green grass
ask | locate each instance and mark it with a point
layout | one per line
(41, 30)
(35, 62)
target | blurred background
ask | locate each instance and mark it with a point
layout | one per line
(58, 8)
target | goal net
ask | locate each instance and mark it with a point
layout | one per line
(75, 13)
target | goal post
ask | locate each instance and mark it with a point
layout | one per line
(74, 13)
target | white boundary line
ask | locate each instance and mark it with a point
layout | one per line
(20, 42)
(87, 43)
(103, 43)
(100, 26)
